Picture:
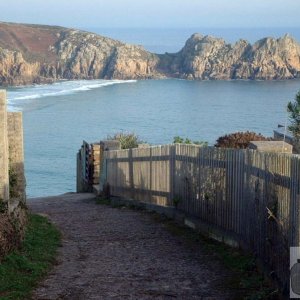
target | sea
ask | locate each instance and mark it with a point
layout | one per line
(58, 117)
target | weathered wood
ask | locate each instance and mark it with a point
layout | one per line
(254, 195)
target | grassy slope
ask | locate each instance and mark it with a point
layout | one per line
(21, 270)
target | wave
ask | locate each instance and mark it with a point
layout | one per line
(94, 86)
(58, 89)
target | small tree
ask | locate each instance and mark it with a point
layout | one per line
(293, 109)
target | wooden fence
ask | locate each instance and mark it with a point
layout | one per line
(253, 196)
(84, 165)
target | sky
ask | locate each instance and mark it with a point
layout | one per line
(154, 13)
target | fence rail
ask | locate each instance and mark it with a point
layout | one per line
(249, 194)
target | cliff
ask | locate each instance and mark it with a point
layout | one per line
(206, 57)
(36, 54)
(39, 54)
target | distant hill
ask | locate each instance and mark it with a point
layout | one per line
(40, 54)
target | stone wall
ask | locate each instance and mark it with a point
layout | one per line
(12, 179)
(4, 180)
(280, 136)
(16, 154)
(271, 146)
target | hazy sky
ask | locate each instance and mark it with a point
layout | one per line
(155, 13)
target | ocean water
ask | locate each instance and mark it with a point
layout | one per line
(173, 39)
(58, 117)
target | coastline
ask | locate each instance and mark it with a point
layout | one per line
(63, 53)
(143, 79)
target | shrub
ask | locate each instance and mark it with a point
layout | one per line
(127, 140)
(239, 140)
(22, 269)
(180, 140)
(293, 109)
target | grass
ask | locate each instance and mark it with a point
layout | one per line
(21, 270)
(248, 280)
(103, 201)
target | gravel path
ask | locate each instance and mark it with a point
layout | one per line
(118, 253)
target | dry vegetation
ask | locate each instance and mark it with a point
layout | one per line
(239, 140)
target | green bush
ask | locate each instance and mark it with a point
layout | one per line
(293, 109)
(21, 270)
(180, 140)
(127, 140)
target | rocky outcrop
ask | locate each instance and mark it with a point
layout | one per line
(130, 62)
(206, 57)
(14, 70)
(38, 54)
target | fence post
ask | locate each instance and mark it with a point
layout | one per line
(172, 174)
(84, 183)
(102, 165)
(131, 183)
(103, 172)
(150, 174)
(79, 187)
(95, 163)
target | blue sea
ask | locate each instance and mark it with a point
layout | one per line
(58, 117)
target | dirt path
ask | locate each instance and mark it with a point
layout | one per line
(111, 253)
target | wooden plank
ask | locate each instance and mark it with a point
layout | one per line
(229, 188)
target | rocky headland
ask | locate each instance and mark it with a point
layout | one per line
(40, 54)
